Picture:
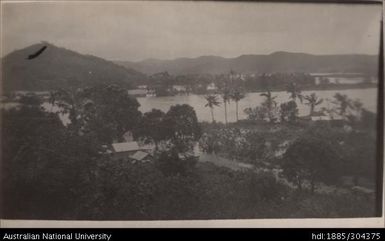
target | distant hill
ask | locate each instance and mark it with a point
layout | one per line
(58, 67)
(275, 62)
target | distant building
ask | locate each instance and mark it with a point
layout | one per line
(211, 87)
(179, 88)
(340, 78)
(142, 87)
(151, 92)
(137, 92)
(41, 94)
(322, 116)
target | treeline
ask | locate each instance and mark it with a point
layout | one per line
(163, 82)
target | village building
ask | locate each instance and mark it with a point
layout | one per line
(341, 78)
(179, 88)
(137, 92)
(130, 151)
(141, 156)
(142, 87)
(151, 92)
(211, 87)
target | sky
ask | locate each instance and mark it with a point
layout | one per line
(136, 31)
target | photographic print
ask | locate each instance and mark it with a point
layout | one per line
(167, 110)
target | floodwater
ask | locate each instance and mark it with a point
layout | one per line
(368, 97)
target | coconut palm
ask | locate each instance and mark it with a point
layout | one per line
(231, 75)
(312, 101)
(236, 96)
(52, 99)
(226, 99)
(270, 103)
(294, 91)
(212, 101)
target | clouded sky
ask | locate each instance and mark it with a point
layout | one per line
(167, 30)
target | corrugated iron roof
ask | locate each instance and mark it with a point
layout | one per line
(125, 146)
(139, 155)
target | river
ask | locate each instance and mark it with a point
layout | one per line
(367, 96)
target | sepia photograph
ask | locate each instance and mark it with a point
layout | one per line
(190, 110)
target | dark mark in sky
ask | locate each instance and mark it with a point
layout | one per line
(32, 56)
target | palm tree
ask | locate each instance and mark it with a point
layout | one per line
(212, 101)
(312, 101)
(343, 103)
(269, 103)
(294, 91)
(226, 99)
(237, 95)
(52, 99)
(231, 75)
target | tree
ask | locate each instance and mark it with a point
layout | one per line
(43, 165)
(289, 111)
(236, 96)
(368, 120)
(360, 156)
(183, 129)
(170, 163)
(212, 101)
(309, 158)
(105, 112)
(151, 128)
(312, 101)
(257, 113)
(294, 91)
(270, 104)
(226, 97)
(342, 102)
(232, 74)
(351, 110)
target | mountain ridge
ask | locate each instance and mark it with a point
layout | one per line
(280, 61)
(58, 67)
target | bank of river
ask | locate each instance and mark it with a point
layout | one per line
(367, 96)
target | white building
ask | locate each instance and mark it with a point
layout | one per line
(130, 151)
(179, 88)
(211, 87)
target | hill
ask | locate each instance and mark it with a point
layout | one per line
(276, 62)
(58, 67)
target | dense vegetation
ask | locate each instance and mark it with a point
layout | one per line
(52, 171)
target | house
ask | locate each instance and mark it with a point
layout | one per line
(339, 78)
(151, 92)
(211, 87)
(322, 116)
(44, 95)
(129, 151)
(141, 156)
(137, 92)
(142, 87)
(179, 88)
